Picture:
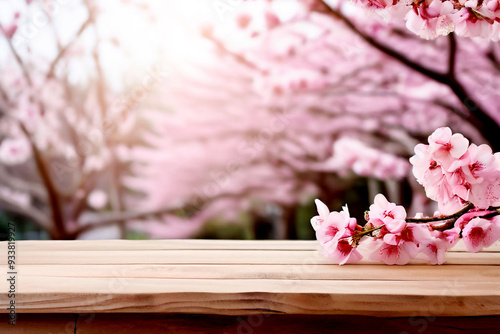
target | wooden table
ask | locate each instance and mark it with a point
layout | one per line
(201, 286)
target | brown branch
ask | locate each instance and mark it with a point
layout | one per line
(452, 54)
(63, 51)
(55, 205)
(385, 49)
(107, 219)
(481, 119)
(18, 59)
(455, 215)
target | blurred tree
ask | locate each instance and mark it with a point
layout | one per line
(283, 108)
(294, 99)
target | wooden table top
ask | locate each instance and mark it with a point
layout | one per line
(240, 278)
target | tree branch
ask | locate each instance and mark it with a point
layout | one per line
(18, 59)
(452, 55)
(55, 205)
(63, 51)
(485, 123)
(106, 219)
(385, 49)
(457, 214)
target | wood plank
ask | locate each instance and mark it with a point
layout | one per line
(276, 324)
(39, 323)
(459, 273)
(213, 257)
(173, 244)
(187, 244)
(252, 296)
(212, 277)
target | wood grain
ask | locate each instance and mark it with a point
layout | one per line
(282, 324)
(39, 323)
(284, 272)
(209, 256)
(243, 278)
(188, 244)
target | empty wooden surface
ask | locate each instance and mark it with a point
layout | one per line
(242, 278)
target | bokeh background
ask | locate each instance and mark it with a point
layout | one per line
(221, 118)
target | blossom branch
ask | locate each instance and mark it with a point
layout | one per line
(118, 217)
(18, 59)
(49, 186)
(62, 52)
(465, 209)
(452, 56)
(479, 117)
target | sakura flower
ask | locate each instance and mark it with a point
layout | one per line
(400, 248)
(474, 177)
(382, 212)
(430, 174)
(480, 233)
(435, 251)
(435, 248)
(446, 147)
(332, 231)
(414, 233)
(14, 151)
(395, 254)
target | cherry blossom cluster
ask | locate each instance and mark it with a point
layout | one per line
(457, 175)
(432, 18)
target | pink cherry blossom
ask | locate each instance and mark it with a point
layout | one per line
(382, 212)
(14, 151)
(415, 233)
(430, 174)
(394, 254)
(400, 248)
(332, 231)
(480, 233)
(432, 18)
(475, 177)
(435, 248)
(445, 147)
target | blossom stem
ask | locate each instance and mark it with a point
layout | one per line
(361, 234)
(457, 214)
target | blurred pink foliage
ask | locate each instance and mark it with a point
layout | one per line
(269, 109)
(280, 109)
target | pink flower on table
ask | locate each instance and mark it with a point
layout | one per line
(400, 248)
(480, 233)
(333, 230)
(445, 147)
(382, 212)
(323, 213)
(395, 254)
(414, 233)
(439, 243)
